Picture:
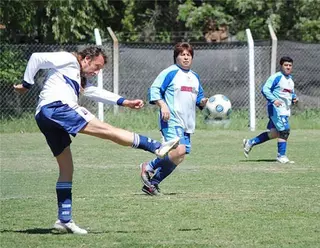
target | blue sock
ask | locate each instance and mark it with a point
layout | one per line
(145, 143)
(164, 168)
(154, 164)
(263, 137)
(64, 197)
(282, 148)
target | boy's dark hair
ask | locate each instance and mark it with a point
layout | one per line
(179, 47)
(92, 52)
(285, 59)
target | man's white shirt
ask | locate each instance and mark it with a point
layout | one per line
(63, 81)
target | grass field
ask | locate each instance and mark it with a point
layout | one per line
(216, 198)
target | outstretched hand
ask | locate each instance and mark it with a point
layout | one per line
(20, 89)
(134, 104)
(203, 102)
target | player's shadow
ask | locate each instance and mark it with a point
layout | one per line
(163, 194)
(118, 231)
(189, 229)
(143, 231)
(258, 160)
(51, 231)
(31, 231)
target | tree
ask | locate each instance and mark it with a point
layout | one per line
(73, 21)
(296, 20)
(56, 21)
(149, 21)
(306, 21)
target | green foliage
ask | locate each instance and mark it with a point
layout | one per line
(73, 21)
(308, 30)
(306, 20)
(129, 20)
(12, 66)
(293, 20)
(149, 21)
(195, 17)
(55, 21)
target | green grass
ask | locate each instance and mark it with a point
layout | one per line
(147, 120)
(215, 198)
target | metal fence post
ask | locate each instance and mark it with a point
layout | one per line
(251, 81)
(273, 50)
(115, 66)
(100, 79)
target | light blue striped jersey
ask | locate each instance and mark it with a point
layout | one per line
(279, 87)
(182, 91)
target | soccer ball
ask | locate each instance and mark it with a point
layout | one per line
(218, 107)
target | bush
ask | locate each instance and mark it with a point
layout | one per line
(12, 66)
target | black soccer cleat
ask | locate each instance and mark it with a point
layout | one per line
(150, 190)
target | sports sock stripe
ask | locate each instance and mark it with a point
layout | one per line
(136, 140)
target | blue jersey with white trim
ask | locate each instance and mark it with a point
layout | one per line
(279, 87)
(182, 92)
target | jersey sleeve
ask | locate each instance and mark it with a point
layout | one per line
(294, 95)
(200, 93)
(39, 61)
(157, 90)
(101, 95)
(269, 86)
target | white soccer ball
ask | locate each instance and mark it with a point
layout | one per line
(218, 107)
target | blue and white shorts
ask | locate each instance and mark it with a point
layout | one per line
(172, 132)
(281, 123)
(58, 120)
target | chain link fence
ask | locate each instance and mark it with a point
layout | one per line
(223, 68)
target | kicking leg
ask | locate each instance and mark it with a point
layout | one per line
(123, 137)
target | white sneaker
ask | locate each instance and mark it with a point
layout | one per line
(69, 227)
(246, 147)
(166, 147)
(284, 160)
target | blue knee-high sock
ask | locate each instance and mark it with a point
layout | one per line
(282, 148)
(154, 164)
(145, 143)
(164, 168)
(64, 197)
(263, 137)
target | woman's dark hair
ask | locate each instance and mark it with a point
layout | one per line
(180, 47)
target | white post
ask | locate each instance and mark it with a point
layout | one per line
(251, 81)
(115, 66)
(273, 49)
(100, 78)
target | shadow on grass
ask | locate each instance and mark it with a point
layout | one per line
(162, 194)
(143, 231)
(52, 231)
(189, 229)
(258, 160)
(31, 231)
(117, 231)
